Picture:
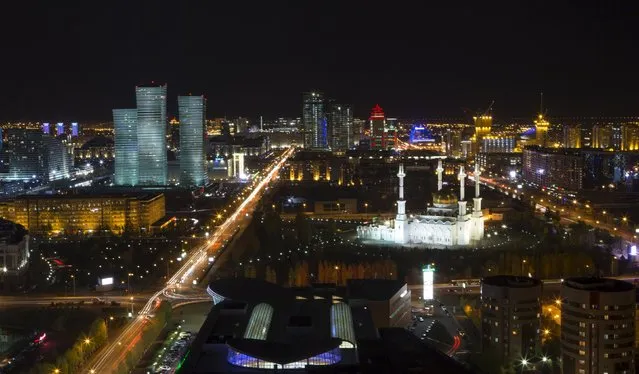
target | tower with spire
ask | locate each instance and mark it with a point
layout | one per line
(477, 219)
(400, 219)
(541, 124)
(440, 171)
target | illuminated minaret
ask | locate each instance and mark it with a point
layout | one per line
(462, 203)
(440, 170)
(400, 219)
(478, 220)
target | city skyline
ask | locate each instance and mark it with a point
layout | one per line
(430, 61)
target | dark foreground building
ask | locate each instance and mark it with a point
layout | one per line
(256, 326)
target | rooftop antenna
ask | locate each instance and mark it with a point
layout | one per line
(541, 102)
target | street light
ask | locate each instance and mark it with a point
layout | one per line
(128, 282)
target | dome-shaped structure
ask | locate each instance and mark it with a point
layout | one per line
(444, 198)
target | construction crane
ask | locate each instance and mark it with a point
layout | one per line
(490, 107)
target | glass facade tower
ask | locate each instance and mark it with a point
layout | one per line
(340, 126)
(151, 121)
(126, 147)
(314, 120)
(192, 110)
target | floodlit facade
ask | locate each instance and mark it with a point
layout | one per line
(447, 223)
(601, 136)
(541, 130)
(126, 147)
(192, 140)
(314, 120)
(151, 121)
(85, 213)
(630, 137)
(572, 136)
(552, 167)
(510, 312)
(597, 326)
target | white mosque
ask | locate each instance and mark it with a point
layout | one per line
(446, 223)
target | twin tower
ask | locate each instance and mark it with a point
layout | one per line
(140, 140)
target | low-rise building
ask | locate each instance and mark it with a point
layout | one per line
(85, 212)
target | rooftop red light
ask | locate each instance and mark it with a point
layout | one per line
(377, 112)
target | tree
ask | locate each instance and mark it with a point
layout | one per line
(73, 358)
(98, 332)
(62, 365)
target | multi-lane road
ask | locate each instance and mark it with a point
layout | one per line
(197, 261)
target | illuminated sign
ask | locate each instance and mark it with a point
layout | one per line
(633, 250)
(106, 281)
(429, 274)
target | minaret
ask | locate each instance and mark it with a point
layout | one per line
(478, 220)
(400, 219)
(440, 170)
(462, 180)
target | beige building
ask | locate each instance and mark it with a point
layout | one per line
(85, 213)
(510, 316)
(597, 326)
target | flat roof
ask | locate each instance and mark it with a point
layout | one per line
(251, 290)
(372, 289)
(141, 195)
(598, 284)
(511, 281)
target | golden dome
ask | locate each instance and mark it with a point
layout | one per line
(444, 197)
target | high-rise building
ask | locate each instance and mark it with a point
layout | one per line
(541, 131)
(552, 167)
(125, 124)
(498, 144)
(572, 136)
(46, 128)
(75, 129)
(380, 137)
(629, 137)
(59, 128)
(151, 121)
(192, 140)
(597, 326)
(34, 155)
(510, 311)
(314, 121)
(340, 125)
(483, 127)
(601, 136)
(453, 138)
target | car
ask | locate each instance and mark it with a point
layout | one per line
(421, 319)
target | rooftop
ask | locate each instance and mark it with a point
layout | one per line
(511, 281)
(598, 284)
(373, 289)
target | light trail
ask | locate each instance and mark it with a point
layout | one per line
(108, 359)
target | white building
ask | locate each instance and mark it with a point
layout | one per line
(447, 222)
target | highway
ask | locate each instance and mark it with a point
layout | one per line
(569, 213)
(197, 260)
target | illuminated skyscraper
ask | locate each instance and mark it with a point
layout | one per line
(151, 123)
(46, 128)
(483, 127)
(629, 137)
(340, 125)
(36, 156)
(572, 136)
(541, 130)
(126, 147)
(314, 120)
(75, 129)
(601, 136)
(59, 128)
(192, 140)
(378, 128)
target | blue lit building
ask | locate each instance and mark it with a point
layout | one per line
(35, 156)
(75, 129)
(46, 128)
(314, 121)
(59, 128)
(192, 111)
(151, 124)
(126, 147)
(420, 134)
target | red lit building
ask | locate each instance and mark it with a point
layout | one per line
(381, 137)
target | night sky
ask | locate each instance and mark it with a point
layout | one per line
(62, 63)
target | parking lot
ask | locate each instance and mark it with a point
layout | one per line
(172, 351)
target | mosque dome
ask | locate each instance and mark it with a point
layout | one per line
(443, 198)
